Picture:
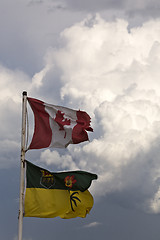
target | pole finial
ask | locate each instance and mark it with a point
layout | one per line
(24, 93)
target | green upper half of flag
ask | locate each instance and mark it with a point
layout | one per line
(71, 180)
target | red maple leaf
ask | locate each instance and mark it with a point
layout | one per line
(61, 120)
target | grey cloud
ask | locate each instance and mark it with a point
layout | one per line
(35, 2)
(135, 12)
(10, 153)
(93, 5)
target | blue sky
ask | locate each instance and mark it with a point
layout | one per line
(101, 57)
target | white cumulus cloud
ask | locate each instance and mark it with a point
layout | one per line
(113, 74)
(93, 224)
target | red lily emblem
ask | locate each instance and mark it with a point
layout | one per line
(69, 181)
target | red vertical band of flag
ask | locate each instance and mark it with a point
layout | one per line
(79, 133)
(42, 132)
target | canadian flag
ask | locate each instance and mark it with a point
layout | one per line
(57, 126)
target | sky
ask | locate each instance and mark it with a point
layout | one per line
(102, 57)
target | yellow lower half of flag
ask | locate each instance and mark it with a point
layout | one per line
(50, 203)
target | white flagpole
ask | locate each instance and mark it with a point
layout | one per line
(23, 140)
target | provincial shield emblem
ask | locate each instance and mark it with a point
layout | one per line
(47, 180)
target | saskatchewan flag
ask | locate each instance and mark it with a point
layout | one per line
(53, 194)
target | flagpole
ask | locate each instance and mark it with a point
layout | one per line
(22, 165)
